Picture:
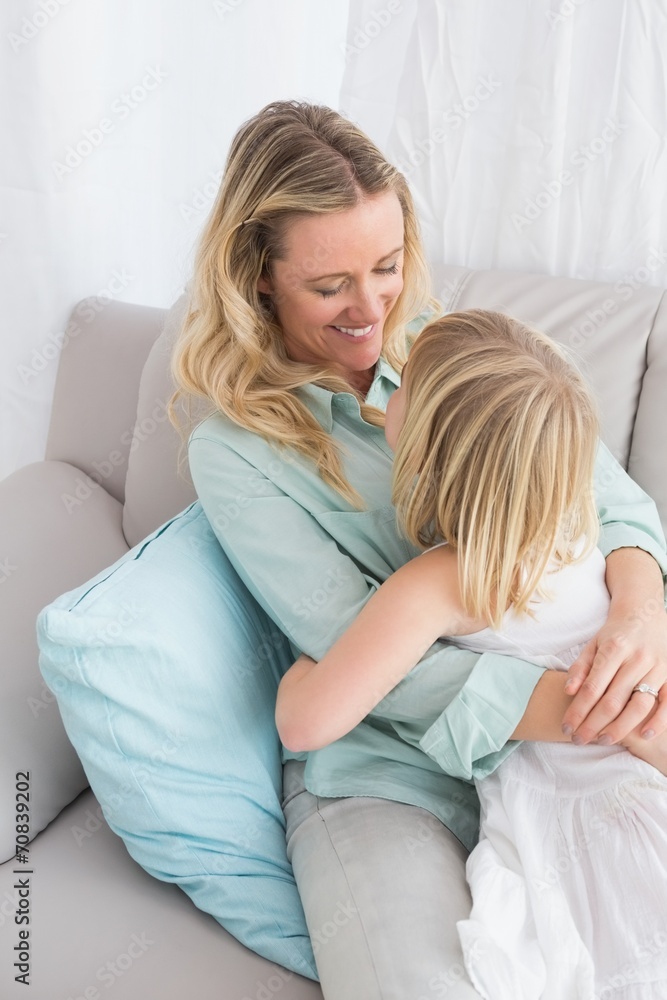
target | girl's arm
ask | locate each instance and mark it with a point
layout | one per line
(652, 751)
(541, 721)
(320, 702)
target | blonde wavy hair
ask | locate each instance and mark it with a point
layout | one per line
(496, 456)
(290, 160)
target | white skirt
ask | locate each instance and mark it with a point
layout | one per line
(569, 879)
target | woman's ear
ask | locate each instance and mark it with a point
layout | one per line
(264, 285)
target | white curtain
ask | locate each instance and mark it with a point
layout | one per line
(116, 119)
(533, 132)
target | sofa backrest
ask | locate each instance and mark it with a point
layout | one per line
(618, 334)
(94, 409)
(158, 482)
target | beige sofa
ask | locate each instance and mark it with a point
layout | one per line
(108, 479)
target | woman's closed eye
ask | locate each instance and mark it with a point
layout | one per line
(328, 292)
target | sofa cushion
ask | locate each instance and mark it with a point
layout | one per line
(166, 671)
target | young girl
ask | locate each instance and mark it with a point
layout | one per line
(495, 436)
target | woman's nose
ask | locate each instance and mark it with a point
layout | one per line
(365, 308)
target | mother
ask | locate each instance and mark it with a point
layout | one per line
(307, 272)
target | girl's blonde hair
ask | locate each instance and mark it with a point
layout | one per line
(496, 456)
(290, 160)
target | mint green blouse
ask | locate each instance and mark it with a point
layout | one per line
(312, 560)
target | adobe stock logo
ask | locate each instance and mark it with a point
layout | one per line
(453, 117)
(579, 160)
(365, 33)
(31, 26)
(121, 109)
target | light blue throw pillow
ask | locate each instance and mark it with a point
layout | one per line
(165, 670)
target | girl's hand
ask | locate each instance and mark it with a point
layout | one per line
(631, 649)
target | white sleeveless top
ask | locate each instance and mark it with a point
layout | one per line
(575, 611)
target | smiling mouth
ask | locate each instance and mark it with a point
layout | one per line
(359, 331)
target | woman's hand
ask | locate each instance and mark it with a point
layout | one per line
(630, 649)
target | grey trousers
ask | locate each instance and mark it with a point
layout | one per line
(382, 886)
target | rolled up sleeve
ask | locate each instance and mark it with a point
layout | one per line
(472, 735)
(629, 517)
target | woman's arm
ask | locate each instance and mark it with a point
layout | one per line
(532, 705)
(284, 556)
(629, 650)
(320, 702)
(632, 647)
(620, 656)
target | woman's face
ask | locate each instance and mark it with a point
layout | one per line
(337, 283)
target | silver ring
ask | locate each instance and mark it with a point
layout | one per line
(646, 689)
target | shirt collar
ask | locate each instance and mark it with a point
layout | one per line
(320, 401)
